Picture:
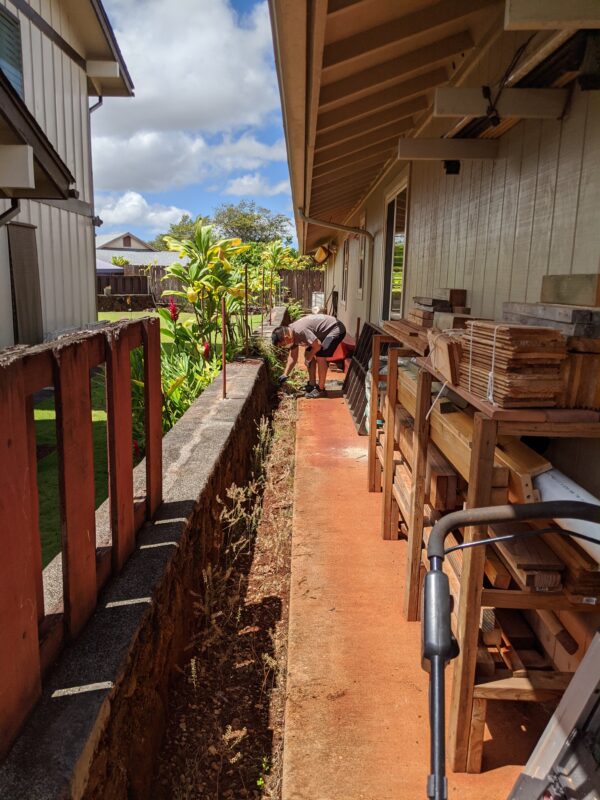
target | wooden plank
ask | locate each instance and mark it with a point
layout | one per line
(373, 485)
(387, 530)
(120, 448)
(34, 501)
(576, 290)
(480, 485)
(531, 15)
(153, 406)
(536, 687)
(515, 598)
(495, 571)
(19, 652)
(515, 628)
(415, 523)
(476, 735)
(76, 480)
(451, 101)
(446, 149)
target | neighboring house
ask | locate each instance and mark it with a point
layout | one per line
(137, 252)
(107, 268)
(54, 56)
(389, 135)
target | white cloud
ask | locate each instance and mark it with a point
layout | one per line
(131, 209)
(255, 184)
(205, 84)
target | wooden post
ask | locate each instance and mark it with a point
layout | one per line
(417, 496)
(76, 480)
(224, 346)
(271, 297)
(389, 531)
(153, 405)
(120, 448)
(373, 409)
(36, 542)
(471, 584)
(475, 756)
(19, 649)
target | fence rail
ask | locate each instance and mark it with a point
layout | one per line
(26, 648)
(122, 284)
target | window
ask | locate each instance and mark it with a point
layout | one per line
(11, 59)
(395, 240)
(127, 241)
(345, 263)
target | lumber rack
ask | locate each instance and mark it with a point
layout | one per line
(474, 455)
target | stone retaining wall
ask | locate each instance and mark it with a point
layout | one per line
(100, 722)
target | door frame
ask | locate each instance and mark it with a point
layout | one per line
(401, 184)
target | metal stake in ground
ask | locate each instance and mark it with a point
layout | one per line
(271, 298)
(224, 345)
(262, 302)
(246, 328)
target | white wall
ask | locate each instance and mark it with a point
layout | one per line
(6, 314)
(56, 93)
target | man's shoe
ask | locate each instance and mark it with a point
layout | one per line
(316, 393)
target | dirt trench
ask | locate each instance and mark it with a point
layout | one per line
(224, 738)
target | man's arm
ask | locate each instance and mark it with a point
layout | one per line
(291, 362)
(312, 352)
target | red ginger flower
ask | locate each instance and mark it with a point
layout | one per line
(173, 310)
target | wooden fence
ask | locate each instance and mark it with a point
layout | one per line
(122, 284)
(32, 635)
(300, 284)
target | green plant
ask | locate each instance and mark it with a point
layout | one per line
(295, 310)
(120, 261)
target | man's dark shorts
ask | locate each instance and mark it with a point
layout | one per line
(330, 343)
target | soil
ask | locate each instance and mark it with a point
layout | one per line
(224, 738)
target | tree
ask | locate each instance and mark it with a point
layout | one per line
(184, 229)
(250, 223)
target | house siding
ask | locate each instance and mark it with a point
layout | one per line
(56, 93)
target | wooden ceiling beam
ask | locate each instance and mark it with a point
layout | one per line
(372, 122)
(450, 101)
(339, 6)
(374, 138)
(381, 149)
(533, 15)
(446, 149)
(341, 188)
(333, 178)
(396, 70)
(343, 205)
(339, 211)
(349, 166)
(399, 29)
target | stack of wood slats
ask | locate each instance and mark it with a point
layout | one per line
(514, 366)
(532, 563)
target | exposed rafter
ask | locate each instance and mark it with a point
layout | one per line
(446, 149)
(382, 149)
(399, 29)
(341, 188)
(370, 123)
(330, 180)
(339, 6)
(396, 70)
(329, 173)
(386, 134)
(531, 15)
(521, 103)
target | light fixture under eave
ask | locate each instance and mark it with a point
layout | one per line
(321, 255)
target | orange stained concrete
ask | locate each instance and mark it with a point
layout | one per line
(356, 714)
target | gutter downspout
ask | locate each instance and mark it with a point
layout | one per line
(97, 105)
(348, 229)
(11, 213)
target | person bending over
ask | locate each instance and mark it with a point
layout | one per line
(320, 335)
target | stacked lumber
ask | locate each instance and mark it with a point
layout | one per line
(408, 334)
(534, 566)
(452, 320)
(581, 376)
(444, 354)
(420, 316)
(513, 366)
(457, 298)
(571, 320)
(578, 290)
(581, 576)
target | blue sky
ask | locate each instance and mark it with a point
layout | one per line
(205, 125)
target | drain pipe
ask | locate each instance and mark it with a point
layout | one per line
(97, 105)
(348, 229)
(11, 213)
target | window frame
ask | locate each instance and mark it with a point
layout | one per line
(362, 259)
(345, 271)
(400, 185)
(16, 23)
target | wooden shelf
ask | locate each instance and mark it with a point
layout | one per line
(537, 686)
(552, 601)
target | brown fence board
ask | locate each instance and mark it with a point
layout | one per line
(19, 651)
(122, 284)
(300, 284)
(153, 405)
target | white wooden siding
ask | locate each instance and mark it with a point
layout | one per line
(499, 227)
(56, 93)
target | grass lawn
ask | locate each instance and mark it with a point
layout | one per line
(116, 316)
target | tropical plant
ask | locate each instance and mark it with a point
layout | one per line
(120, 261)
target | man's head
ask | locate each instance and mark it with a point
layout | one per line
(282, 337)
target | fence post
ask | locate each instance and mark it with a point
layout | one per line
(153, 405)
(76, 481)
(120, 446)
(19, 649)
(36, 542)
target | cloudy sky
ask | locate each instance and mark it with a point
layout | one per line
(205, 124)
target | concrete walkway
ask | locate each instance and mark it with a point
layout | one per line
(356, 716)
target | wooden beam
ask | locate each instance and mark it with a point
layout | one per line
(103, 69)
(336, 172)
(338, 6)
(327, 181)
(399, 29)
(382, 149)
(16, 166)
(341, 189)
(388, 133)
(326, 205)
(373, 408)
(389, 522)
(396, 70)
(522, 103)
(446, 149)
(370, 123)
(531, 15)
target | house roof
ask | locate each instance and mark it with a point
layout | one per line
(356, 76)
(144, 258)
(104, 240)
(106, 267)
(52, 178)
